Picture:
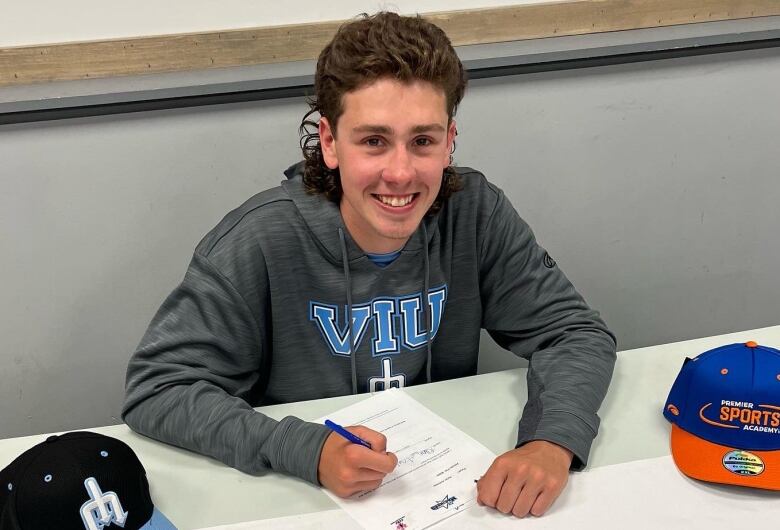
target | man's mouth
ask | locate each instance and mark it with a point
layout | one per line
(396, 201)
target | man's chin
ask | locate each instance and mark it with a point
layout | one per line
(399, 234)
(397, 230)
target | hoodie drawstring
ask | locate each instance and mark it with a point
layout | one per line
(425, 303)
(345, 261)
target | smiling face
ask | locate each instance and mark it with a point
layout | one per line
(392, 143)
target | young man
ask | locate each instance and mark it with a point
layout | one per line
(375, 228)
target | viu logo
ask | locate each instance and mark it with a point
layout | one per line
(398, 322)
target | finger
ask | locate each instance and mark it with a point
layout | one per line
(377, 440)
(367, 485)
(524, 501)
(384, 463)
(348, 490)
(394, 459)
(489, 487)
(509, 494)
(360, 457)
(364, 475)
(545, 500)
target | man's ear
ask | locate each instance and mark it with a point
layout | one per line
(328, 144)
(452, 131)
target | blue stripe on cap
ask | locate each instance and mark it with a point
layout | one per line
(158, 522)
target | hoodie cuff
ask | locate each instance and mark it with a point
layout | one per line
(565, 429)
(300, 448)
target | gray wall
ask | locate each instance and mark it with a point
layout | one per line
(653, 185)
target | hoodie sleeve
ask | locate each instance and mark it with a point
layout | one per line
(532, 309)
(202, 357)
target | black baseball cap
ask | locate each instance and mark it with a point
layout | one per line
(78, 481)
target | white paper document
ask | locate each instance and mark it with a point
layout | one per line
(641, 495)
(437, 464)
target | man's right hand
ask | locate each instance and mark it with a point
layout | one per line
(346, 468)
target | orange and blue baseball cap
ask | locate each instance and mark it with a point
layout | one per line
(724, 408)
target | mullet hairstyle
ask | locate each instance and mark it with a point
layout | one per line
(362, 51)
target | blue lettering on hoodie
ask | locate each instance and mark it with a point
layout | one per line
(398, 322)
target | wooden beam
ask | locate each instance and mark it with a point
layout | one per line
(195, 51)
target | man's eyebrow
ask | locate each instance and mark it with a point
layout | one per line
(373, 129)
(433, 127)
(384, 129)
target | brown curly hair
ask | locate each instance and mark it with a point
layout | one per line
(362, 51)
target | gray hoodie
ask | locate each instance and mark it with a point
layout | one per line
(260, 318)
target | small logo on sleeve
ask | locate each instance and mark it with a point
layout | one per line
(548, 261)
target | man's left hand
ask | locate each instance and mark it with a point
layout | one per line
(525, 480)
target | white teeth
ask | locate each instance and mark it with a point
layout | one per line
(395, 200)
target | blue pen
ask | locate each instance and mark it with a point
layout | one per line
(338, 429)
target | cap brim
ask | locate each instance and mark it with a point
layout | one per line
(158, 522)
(722, 464)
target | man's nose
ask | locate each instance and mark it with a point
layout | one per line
(399, 166)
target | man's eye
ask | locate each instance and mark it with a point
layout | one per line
(423, 142)
(373, 142)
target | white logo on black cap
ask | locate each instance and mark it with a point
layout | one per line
(102, 509)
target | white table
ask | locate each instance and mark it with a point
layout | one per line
(195, 491)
